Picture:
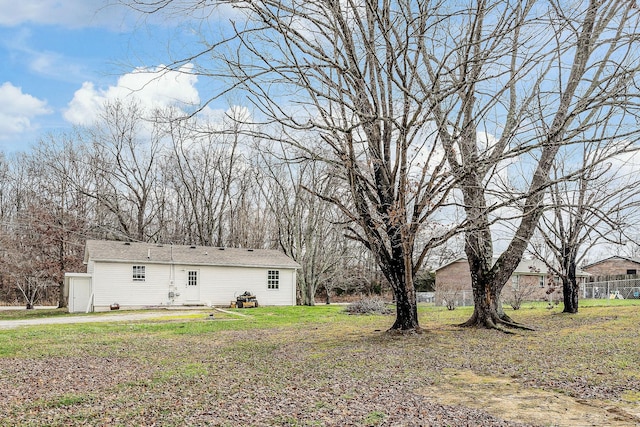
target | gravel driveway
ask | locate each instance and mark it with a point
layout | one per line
(106, 317)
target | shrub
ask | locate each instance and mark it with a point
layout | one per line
(368, 306)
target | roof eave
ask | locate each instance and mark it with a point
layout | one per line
(205, 264)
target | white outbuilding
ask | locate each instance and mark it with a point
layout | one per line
(131, 275)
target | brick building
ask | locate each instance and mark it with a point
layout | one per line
(531, 279)
(614, 266)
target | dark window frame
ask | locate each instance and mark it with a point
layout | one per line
(273, 280)
(139, 273)
(192, 278)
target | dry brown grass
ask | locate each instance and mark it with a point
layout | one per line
(319, 367)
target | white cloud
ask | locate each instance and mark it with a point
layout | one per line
(152, 88)
(111, 14)
(17, 109)
(625, 166)
(68, 13)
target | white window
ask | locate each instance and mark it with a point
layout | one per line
(515, 282)
(542, 281)
(139, 273)
(273, 279)
(192, 278)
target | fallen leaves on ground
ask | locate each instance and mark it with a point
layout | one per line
(342, 374)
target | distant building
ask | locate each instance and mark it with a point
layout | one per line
(531, 277)
(614, 266)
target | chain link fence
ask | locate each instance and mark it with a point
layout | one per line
(457, 298)
(628, 288)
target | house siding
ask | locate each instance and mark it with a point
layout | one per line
(113, 284)
(218, 286)
(90, 267)
(78, 291)
(221, 285)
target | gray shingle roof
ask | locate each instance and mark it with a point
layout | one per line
(614, 257)
(108, 250)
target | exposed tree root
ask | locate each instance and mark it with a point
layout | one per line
(508, 321)
(504, 317)
(516, 325)
(494, 321)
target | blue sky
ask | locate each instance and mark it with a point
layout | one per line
(60, 60)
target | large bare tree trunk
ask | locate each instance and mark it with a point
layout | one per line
(475, 160)
(405, 297)
(570, 286)
(406, 312)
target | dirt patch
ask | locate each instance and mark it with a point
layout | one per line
(512, 401)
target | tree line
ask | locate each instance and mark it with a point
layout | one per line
(374, 133)
(133, 176)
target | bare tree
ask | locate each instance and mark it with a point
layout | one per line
(193, 171)
(30, 261)
(213, 182)
(308, 228)
(349, 75)
(394, 89)
(62, 210)
(357, 273)
(126, 151)
(518, 292)
(449, 295)
(597, 205)
(45, 218)
(34, 259)
(5, 190)
(627, 248)
(495, 106)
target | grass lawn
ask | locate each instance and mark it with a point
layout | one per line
(21, 313)
(317, 366)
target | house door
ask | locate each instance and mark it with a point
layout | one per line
(79, 294)
(192, 293)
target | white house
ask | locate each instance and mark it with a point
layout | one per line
(139, 275)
